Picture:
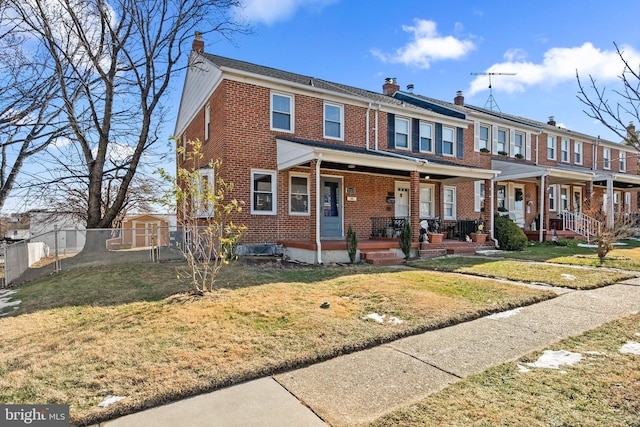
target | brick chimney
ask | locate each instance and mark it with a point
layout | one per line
(552, 121)
(390, 86)
(198, 43)
(632, 135)
(459, 99)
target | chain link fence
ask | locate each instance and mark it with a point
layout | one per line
(61, 249)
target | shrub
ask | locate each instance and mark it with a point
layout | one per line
(405, 239)
(352, 244)
(510, 237)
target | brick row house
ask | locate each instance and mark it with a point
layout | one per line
(311, 158)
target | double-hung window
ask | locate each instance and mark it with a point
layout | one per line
(483, 142)
(623, 161)
(281, 112)
(606, 158)
(263, 192)
(426, 137)
(552, 198)
(426, 201)
(448, 141)
(402, 133)
(502, 141)
(518, 144)
(564, 150)
(204, 200)
(299, 194)
(577, 153)
(333, 121)
(449, 202)
(551, 148)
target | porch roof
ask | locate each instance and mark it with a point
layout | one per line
(297, 152)
(621, 181)
(517, 171)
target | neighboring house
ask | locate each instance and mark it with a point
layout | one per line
(310, 158)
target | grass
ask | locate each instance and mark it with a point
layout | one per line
(568, 277)
(602, 389)
(122, 330)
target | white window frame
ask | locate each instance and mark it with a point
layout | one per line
(479, 193)
(486, 142)
(207, 175)
(564, 150)
(502, 199)
(553, 200)
(453, 141)
(623, 161)
(273, 192)
(408, 134)
(552, 147)
(627, 202)
(565, 201)
(518, 149)
(423, 127)
(606, 158)
(452, 203)
(290, 113)
(577, 153)
(503, 144)
(292, 194)
(340, 123)
(426, 206)
(207, 122)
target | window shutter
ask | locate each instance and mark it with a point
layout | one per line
(391, 130)
(476, 196)
(460, 148)
(439, 139)
(512, 142)
(476, 136)
(527, 150)
(415, 135)
(494, 139)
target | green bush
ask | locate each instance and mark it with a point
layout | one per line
(510, 237)
(352, 245)
(405, 239)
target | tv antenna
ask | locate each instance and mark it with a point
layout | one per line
(491, 102)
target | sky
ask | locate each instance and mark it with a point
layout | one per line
(437, 46)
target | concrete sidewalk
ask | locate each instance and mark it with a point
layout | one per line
(360, 387)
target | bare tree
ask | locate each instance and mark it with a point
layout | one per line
(113, 61)
(615, 115)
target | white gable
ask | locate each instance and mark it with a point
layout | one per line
(201, 80)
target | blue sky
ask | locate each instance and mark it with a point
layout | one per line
(436, 46)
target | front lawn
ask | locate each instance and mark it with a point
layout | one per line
(122, 330)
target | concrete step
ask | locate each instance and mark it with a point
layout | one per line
(366, 255)
(432, 253)
(385, 261)
(471, 250)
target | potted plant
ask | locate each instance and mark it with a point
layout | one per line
(479, 236)
(519, 156)
(484, 150)
(434, 235)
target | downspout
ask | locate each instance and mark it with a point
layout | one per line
(543, 192)
(318, 241)
(492, 213)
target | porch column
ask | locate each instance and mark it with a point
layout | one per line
(486, 204)
(543, 207)
(609, 207)
(587, 200)
(313, 206)
(414, 208)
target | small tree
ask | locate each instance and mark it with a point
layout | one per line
(352, 244)
(405, 239)
(210, 235)
(606, 234)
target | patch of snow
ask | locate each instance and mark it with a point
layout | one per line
(380, 318)
(584, 245)
(109, 400)
(593, 353)
(551, 359)
(395, 320)
(619, 244)
(504, 314)
(638, 334)
(569, 276)
(5, 297)
(489, 252)
(631, 347)
(523, 369)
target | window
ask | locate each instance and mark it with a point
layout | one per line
(484, 138)
(564, 198)
(623, 161)
(448, 138)
(281, 112)
(449, 203)
(426, 201)
(564, 150)
(577, 153)
(426, 137)
(478, 192)
(616, 201)
(263, 192)
(552, 197)
(299, 195)
(518, 145)
(333, 122)
(551, 148)
(501, 198)
(606, 158)
(627, 202)
(205, 185)
(207, 121)
(402, 133)
(502, 141)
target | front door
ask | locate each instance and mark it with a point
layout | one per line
(331, 213)
(402, 199)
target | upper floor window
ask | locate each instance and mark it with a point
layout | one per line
(484, 138)
(402, 133)
(502, 141)
(577, 153)
(623, 161)
(333, 121)
(426, 137)
(299, 195)
(263, 192)
(606, 158)
(564, 150)
(207, 121)
(518, 145)
(448, 141)
(281, 112)
(551, 147)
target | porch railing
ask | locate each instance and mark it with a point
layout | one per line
(390, 227)
(580, 223)
(387, 227)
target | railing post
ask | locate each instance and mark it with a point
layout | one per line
(55, 246)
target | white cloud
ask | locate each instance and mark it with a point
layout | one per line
(272, 11)
(427, 46)
(559, 65)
